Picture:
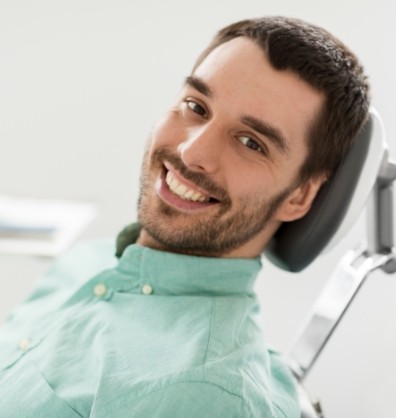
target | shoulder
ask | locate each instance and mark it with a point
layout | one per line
(69, 271)
(84, 260)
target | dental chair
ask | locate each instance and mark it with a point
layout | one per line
(363, 178)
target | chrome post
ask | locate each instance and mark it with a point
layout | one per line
(349, 276)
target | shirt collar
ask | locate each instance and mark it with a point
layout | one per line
(177, 274)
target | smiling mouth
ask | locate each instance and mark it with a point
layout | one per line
(186, 190)
(182, 190)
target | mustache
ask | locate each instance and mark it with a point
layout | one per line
(200, 179)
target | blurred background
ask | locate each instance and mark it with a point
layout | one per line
(81, 84)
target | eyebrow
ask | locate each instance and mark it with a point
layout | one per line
(263, 128)
(272, 133)
(199, 85)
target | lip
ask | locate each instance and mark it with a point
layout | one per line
(175, 201)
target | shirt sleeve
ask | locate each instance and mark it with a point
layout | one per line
(179, 400)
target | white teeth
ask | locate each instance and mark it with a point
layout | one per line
(188, 194)
(182, 191)
(173, 183)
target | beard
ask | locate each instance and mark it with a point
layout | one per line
(211, 234)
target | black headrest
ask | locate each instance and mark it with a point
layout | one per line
(296, 244)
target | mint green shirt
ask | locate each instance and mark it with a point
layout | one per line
(153, 335)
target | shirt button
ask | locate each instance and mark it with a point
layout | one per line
(24, 344)
(147, 289)
(100, 290)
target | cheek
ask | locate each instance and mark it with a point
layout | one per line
(242, 186)
(255, 186)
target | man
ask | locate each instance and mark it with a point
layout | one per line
(172, 329)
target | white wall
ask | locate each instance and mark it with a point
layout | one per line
(81, 83)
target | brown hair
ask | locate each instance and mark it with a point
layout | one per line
(326, 64)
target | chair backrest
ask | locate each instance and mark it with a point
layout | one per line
(337, 206)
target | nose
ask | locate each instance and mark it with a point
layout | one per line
(200, 151)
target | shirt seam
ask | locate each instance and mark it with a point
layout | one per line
(207, 352)
(212, 316)
(53, 390)
(205, 382)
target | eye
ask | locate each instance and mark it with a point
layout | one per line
(196, 108)
(252, 144)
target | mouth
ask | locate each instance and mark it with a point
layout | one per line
(185, 191)
(181, 193)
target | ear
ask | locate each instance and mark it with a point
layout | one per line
(300, 200)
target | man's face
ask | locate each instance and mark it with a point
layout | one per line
(221, 169)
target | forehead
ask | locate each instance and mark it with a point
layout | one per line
(242, 79)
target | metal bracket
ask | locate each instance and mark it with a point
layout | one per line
(349, 276)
